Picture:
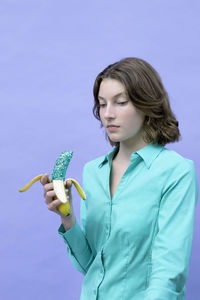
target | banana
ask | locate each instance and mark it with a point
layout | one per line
(58, 179)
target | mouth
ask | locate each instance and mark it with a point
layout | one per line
(112, 128)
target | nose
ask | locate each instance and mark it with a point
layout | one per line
(109, 112)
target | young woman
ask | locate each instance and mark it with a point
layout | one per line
(136, 230)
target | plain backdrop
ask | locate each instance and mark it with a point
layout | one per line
(50, 54)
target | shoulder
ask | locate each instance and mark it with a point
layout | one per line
(92, 173)
(171, 160)
(179, 174)
(173, 167)
(94, 163)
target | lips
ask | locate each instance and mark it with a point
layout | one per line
(112, 126)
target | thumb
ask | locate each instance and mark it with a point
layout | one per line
(68, 184)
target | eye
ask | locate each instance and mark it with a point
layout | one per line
(122, 103)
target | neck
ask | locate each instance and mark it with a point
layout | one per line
(126, 149)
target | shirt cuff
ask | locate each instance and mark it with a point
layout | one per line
(74, 237)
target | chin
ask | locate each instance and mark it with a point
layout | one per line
(114, 140)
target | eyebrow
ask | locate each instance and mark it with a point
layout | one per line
(115, 96)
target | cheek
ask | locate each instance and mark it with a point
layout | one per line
(134, 119)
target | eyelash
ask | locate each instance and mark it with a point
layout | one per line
(122, 103)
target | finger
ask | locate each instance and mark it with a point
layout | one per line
(49, 196)
(48, 187)
(44, 179)
(68, 185)
(53, 205)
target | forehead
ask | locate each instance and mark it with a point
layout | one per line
(110, 87)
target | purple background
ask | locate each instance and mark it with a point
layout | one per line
(50, 54)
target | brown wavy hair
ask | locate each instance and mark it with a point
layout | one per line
(147, 93)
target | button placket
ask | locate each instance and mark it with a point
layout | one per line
(135, 160)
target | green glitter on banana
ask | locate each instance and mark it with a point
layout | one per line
(58, 179)
(61, 165)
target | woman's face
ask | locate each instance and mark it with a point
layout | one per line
(119, 111)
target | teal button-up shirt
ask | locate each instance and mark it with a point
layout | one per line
(137, 245)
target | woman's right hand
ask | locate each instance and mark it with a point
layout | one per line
(52, 203)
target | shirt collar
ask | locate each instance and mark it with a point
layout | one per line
(148, 153)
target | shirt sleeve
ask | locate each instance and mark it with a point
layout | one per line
(78, 247)
(171, 247)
